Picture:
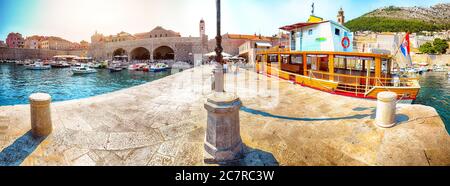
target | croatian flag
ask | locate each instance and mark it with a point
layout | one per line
(404, 47)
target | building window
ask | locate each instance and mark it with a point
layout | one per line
(156, 35)
(166, 35)
(337, 32)
(160, 35)
(310, 32)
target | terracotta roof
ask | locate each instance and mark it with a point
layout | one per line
(299, 25)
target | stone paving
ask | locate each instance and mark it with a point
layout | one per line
(163, 123)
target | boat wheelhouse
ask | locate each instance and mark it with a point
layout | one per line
(361, 75)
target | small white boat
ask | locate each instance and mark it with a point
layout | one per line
(83, 70)
(38, 66)
(115, 67)
(159, 67)
(94, 65)
(134, 67)
(439, 69)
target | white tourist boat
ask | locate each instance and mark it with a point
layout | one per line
(84, 69)
(38, 66)
(60, 64)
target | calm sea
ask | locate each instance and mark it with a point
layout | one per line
(435, 92)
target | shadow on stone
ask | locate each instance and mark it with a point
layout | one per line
(254, 157)
(400, 118)
(363, 108)
(16, 153)
(266, 114)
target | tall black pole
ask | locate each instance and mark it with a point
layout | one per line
(219, 49)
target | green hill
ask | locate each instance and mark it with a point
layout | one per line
(402, 19)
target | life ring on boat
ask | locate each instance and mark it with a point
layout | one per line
(345, 42)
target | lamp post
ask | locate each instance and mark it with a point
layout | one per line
(218, 72)
(223, 141)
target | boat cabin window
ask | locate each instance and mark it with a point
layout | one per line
(285, 59)
(310, 31)
(259, 58)
(337, 32)
(296, 59)
(273, 58)
(386, 67)
(318, 62)
(353, 65)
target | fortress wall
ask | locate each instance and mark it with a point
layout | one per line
(22, 53)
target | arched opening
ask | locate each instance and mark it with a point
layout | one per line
(164, 53)
(140, 53)
(119, 52)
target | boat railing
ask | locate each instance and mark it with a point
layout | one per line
(367, 82)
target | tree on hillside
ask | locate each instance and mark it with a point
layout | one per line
(440, 46)
(427, 48)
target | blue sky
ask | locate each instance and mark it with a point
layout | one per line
(77, 20)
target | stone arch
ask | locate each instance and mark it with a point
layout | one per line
(140, 53)
(164, 53)
(119, 52)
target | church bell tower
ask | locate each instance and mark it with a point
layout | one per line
(341, 17)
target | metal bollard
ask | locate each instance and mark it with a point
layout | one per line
(385, 116)
(41, 121)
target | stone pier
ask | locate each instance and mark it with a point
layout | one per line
(164, 122)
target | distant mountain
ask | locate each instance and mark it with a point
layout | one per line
(402, 19)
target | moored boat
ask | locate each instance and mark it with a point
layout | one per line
(83, 70)
(60, 64)
(159, 67)
(38, 66)
(323, 59)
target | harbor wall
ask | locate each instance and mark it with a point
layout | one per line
(443, 59)
(23, 53)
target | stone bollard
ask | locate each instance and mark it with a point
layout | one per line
(385, 116)
(41, 121)
(223, 141)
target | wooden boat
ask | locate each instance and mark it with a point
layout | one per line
(361, 75)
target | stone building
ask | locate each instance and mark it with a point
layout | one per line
(33, 42)
(158, 44)
(2, 44)
(232, 42)
(157, 32)
(56, 43)
(249, 49)
(121, 36)
(84, 44)
(15, 40)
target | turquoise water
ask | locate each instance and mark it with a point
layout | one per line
(17, 83)
(435, 92)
